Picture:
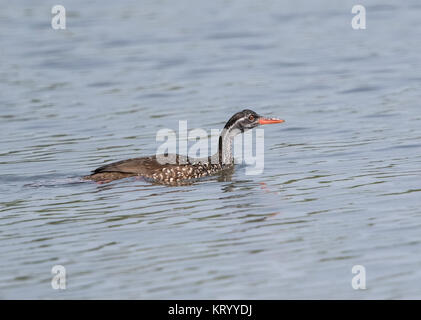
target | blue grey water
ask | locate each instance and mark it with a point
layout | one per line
(341, 184)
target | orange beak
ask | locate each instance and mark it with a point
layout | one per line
(270, 120)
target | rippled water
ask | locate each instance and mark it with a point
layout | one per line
(341, 184)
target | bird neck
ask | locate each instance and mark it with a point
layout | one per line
(225, 145)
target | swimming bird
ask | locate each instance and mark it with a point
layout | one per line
(174, 169)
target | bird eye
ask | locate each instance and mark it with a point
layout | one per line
(251, 117)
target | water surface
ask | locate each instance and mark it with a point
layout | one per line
(341, 183)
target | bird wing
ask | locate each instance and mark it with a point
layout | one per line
(141, 166)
